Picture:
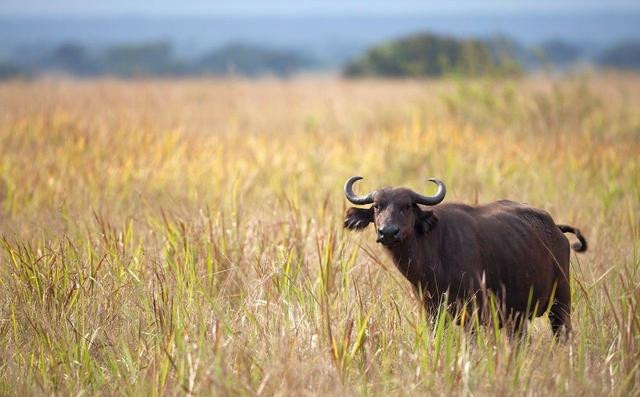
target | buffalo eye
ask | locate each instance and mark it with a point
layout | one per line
(376, 206)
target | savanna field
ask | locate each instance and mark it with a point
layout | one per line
(184, 237)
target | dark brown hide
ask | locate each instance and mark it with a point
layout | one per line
(512, 250)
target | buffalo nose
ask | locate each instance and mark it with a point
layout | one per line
(388, 231)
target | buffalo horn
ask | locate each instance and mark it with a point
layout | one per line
(431, 200)
(351, 196)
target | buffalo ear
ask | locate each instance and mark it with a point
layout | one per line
(426, 221)
(358, 218)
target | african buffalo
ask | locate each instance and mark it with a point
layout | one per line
(458, 254)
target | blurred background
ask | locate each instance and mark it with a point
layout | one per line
(171, 203)
(286, 38)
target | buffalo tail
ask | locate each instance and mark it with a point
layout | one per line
(580, 246)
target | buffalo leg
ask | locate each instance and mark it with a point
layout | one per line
(560, 313)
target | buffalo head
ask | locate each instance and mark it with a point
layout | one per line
(395, 211)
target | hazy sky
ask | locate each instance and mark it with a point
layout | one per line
(293, 7)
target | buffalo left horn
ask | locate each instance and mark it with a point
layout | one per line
(432, 200)
(351, 196)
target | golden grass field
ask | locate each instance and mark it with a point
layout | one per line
(184, 237)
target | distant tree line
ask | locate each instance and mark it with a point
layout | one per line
(432, 55)
(623, 56)
(419, 55)
(156, 59)
(424, 55)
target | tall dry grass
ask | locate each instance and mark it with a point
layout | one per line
(184, 237)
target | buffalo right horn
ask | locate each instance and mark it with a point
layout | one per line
(351, 196)
(432, 200)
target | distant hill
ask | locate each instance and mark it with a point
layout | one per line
(622, 56)
(251, 60)
(70, 57)
(156, 59)
(432, 55)
(559, 52)
(329, 38)
(9, 69)
(144, 59)
(425, 54)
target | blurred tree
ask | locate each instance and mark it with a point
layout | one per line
(623, 56)
(251, 60)
(141, 60)
(9, 69)
(431, 55)
(72, 58)
(559, 52)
